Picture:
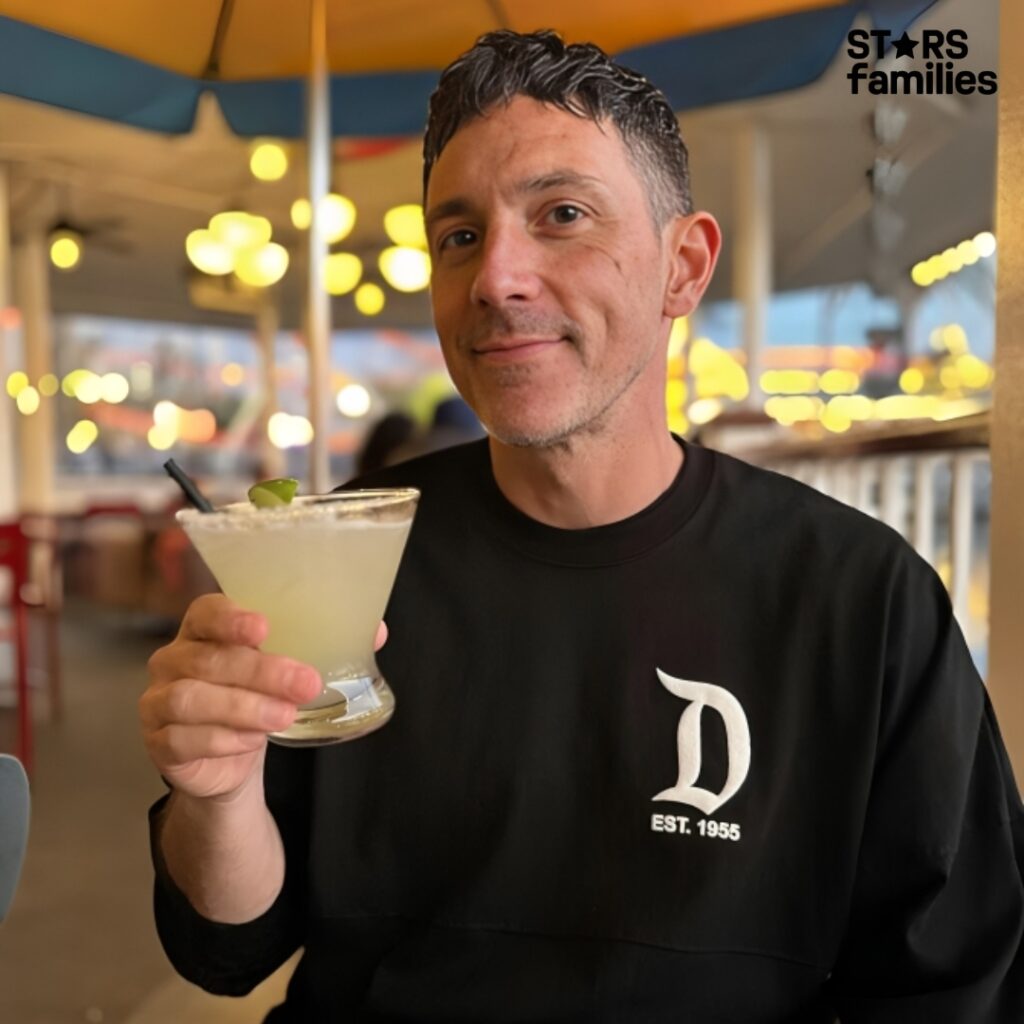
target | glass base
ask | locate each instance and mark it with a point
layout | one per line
(363, 705)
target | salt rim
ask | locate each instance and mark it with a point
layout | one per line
(380, 505)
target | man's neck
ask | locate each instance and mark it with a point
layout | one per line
(587, 481)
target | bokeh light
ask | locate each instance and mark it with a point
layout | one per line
(405, 269)
(353, 401)
(404, 225)
(269, 160)
(81, 436)
(369, 299)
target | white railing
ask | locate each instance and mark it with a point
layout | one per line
(894, 473)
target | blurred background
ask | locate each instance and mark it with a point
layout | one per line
(154, 302)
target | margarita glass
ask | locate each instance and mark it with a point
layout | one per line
(321, 570)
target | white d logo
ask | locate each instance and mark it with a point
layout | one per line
(737, 734)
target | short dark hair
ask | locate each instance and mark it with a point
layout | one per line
(579, 78)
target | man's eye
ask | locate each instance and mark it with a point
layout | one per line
(457, 240)
(566, 213)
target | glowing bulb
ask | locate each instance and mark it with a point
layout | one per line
(834, 419)
(353, 401)
(48, 385)
(207, 254)
(952, 261)
(166, 414)
(161, 438)
(342, 272)
(911, 380)
(16, 382)
(27, 400)
(301, 215)
(262, 267)
(89, 388)
(854, 407)
(405, 269)
(81, 436)
(113, 388)
(269, 161)
(287, 431)
(968, 252)
(369, 299)
(65, 249)
(239, 230)
(974, 372)
(839, 382)
(704, 410)
(985, 243)
(404, 225)
(921, 275)
(338, 217)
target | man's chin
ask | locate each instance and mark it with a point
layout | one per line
(531, 435)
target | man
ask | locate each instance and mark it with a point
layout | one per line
(677, 739)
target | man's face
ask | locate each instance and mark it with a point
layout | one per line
(549, 274)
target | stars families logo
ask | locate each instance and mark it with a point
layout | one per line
(939, 76)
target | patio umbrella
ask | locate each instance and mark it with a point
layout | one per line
(356, 67)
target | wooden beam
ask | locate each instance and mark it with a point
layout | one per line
(1006, 618)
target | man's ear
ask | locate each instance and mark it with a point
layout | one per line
(694, 242)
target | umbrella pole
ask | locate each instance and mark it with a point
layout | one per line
(318, 302)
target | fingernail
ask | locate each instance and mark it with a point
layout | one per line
(278, 716)
(305, 683)
(251, 627)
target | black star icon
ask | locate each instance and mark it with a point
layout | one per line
(904, 46)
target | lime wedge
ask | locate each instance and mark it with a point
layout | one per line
(273, 493)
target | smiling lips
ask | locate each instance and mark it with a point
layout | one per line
(515, 349)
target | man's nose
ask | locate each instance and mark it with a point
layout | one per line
(508, 268)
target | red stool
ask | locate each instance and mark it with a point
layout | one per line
(14, 558)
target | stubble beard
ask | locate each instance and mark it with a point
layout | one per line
(589, 418)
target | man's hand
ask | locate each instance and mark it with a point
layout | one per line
(213, 698)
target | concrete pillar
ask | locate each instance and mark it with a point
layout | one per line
(752, 259)
(38, 456)
(8, 414)
(1006, 598)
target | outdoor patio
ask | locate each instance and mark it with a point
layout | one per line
(79, 943)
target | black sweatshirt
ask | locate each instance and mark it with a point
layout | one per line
(727, 760)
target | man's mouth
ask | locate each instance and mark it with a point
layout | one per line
(511, 349)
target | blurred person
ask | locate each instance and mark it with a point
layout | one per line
(677, 738)
(452, 422)
(383, 440)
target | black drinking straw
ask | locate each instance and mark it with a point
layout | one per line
(187, 485)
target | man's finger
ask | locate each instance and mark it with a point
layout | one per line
(244, 667)
(382, 636)
(196, 702)
(217, 618)
(176, 745)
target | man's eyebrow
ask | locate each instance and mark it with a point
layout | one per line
(558, 179)
(459, 206)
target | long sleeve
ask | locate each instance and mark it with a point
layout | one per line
(231, 959)
(936, 922)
